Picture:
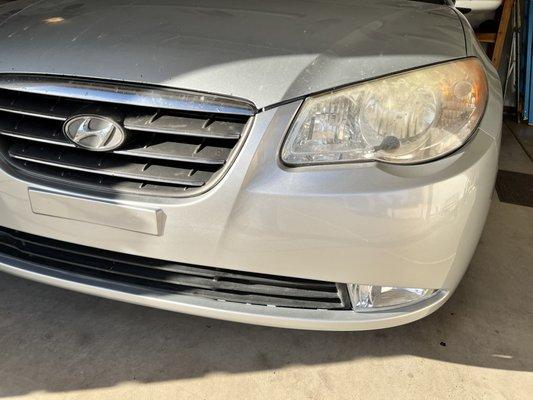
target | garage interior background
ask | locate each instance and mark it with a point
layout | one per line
(506, 33)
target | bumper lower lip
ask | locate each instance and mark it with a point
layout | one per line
(244, 313)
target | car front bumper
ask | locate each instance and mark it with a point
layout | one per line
(369, 223)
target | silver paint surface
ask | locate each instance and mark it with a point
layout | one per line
(263, 51)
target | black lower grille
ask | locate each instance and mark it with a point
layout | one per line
(167, 276)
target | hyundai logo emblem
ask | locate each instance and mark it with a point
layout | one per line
(94, 133)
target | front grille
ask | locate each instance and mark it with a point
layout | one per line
(179, 143)
(171, 277)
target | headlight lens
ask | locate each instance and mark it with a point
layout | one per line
(406, 118)
(370, 297)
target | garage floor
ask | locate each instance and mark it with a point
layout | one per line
(56, 344)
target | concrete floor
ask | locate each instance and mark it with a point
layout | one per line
(56, 344)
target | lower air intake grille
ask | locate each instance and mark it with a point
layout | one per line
(177, 143)
(166, 276)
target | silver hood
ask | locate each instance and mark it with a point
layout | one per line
(263, 51)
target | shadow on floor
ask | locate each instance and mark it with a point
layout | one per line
(55, 340)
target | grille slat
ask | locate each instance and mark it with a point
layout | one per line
(185, 152)
(49, 138)
(175, 125)
(31, 105)
(103, 164)
(162, 275)
(168, 152)
(103, 183)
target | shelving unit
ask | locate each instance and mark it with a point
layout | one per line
(497, 39)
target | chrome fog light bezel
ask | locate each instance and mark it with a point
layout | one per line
(361, 297)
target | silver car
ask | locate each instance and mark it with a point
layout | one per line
(302, 164)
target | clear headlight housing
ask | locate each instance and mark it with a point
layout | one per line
(406, 118)
(374, 297)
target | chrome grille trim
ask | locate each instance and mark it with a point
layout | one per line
(32, 114)
(178, 148)
(130, 94)
(36, 139)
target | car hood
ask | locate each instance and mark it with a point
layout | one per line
(263, 51)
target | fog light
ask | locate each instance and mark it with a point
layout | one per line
(369, 297)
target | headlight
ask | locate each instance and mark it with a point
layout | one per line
(406, 118)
